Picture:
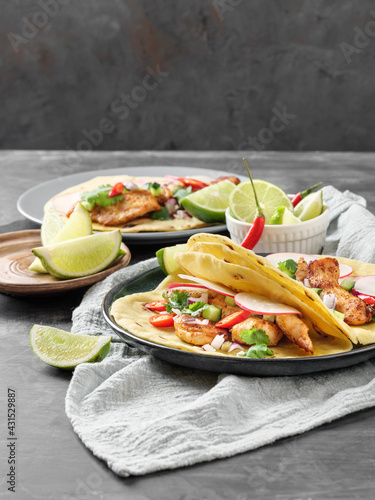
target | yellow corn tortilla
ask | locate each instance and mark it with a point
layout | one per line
(129, 313)
(65, 200)
(219, 259)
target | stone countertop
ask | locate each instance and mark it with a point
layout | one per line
(333, 461)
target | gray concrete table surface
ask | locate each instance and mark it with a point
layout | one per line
(334, 461)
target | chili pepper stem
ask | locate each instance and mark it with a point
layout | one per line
(259, 210)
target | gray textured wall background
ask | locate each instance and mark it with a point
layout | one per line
(223, 71)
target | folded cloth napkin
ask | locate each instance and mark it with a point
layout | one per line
(142, 415)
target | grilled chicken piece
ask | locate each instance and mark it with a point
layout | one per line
(134, 204)
(295, 330)
(324, 273)
(271, 329)
(192, 333)
(233, 179)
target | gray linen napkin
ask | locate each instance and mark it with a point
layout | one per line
(142, 415)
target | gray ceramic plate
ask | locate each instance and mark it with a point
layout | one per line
(253, 367)
(31, 203)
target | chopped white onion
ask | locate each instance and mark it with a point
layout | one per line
(208, 347)
(196, 321)
(176, 311)
(306, 282)
(218, 341)
(234, 346)
(329, 300)
(180, 214)
(171, 205)
(131, 186)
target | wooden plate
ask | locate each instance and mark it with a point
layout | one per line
(17, 279)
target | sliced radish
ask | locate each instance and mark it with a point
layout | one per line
(365, 285)
(65, 202)
(258, 304)
(209, 284)
(185, 285)
(275, 258)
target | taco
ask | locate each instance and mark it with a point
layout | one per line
(305, 327)
(135, 204)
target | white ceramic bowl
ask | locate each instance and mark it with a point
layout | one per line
(303, 237)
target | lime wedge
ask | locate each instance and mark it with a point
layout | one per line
(82, 256)
(166, 260)
(310, 207)
(242, 201)
(51, 225)
(209, 204)
(67, 350)
(79, 224)
(283, 215)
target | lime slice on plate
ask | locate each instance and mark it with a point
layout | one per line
(67, 350)
(209, 204)
(309, 207)
(79, 224)
(242, 201)
(166, 260)
(81, 256)
(283, 215)
(51, 225)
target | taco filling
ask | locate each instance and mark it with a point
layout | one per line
(135, 203)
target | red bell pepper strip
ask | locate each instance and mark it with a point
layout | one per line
(256, 230)
(302, 194)
(162, 320)
(232, 319)
(117, 189)
(157, 305)
(194, 183)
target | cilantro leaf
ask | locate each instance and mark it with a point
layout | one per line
(162, 214)
(255, 336)
(99, 196)
(258, 351)
(196, 308)
(177, 300)
(180, 300)
(289, 267)
(181, 192)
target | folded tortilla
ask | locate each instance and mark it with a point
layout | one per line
(220, 260)
(64, 201)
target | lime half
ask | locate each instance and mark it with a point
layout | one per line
(242, 201)
(67, 350)
(310, 207)
(79, 224)
(82, 256)
(283, 215)
(166, 260)
(209, 204)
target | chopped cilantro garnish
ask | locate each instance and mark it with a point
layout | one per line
(258, 351)
(99, 196)
(289, 267)
(260, 341)
(180, 300)
(162, 214)
(181, 192)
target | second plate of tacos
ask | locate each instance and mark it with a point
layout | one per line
(229, 309)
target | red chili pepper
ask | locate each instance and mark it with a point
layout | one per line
(162, 320)
(256, 230)
(232, 319)
(194, 183)
(117, 189)
(298, 197)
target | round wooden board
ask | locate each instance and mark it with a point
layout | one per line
(16, 257)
